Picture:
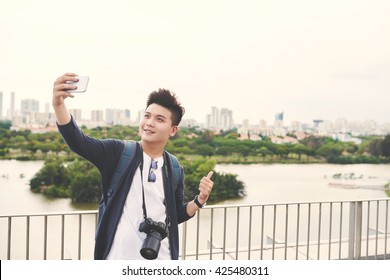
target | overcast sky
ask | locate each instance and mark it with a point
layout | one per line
(310, 59)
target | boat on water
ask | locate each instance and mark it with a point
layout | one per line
(359, 184)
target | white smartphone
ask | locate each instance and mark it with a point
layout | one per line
(81, 84)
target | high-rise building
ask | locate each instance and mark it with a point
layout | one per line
(295, 126)
(116, 117)
(279, 116)
(279, 120)
(47, 107)
(12, 108)
(127, 114)
(76, 113)
(214, 117)
(220, 119)
(262, 124)
(317, 123)
(140, 115)
(97, 116)
(29, 106)
(226, 119)
(28, 110)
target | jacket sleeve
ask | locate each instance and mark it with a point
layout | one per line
(104, 154)
(181, 206)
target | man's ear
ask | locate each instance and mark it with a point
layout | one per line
(174, 130)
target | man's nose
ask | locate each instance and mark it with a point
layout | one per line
(150, 122)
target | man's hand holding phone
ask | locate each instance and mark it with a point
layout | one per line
(81, 84)
(67, 84)
(63, 88)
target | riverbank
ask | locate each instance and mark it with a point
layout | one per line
(236, 159)
(231, 159)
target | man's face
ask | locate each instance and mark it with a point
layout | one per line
(156, 125)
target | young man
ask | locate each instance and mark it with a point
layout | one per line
(146, 192)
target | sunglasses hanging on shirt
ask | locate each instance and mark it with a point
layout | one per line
(152, 176)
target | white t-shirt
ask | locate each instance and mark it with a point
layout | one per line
(128, 239)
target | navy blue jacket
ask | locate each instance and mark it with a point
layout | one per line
(105, 155)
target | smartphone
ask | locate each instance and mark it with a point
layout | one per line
(81, 84)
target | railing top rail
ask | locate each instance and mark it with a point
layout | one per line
(294, 203)
(68, 213)
(86, 212)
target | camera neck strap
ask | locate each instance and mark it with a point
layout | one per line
(143, 195)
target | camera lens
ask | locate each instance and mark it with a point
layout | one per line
(151, 246)
(148, 253)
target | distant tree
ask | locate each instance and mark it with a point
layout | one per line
(182, 142)
(4, 133)
(282, 151)
(207, 136)
(386, 146)
(85, 182)
(330, 150)
(375, 147)
(204, 150)
(53, 173)
(300, 149)
(351, 147)
(224, 151)
(5, 124)
(79, 180)
(312, 142)
(226, 186)
(243, 150)
(264, 151)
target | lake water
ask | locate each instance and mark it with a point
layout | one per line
(283, 183)
(265, 184)
(272, 183)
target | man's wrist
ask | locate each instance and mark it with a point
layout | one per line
(198, 203)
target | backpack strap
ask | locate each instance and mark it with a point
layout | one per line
(127, 156)
(174, 163)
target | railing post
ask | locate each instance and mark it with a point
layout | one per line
(351, 236)
(355, 230)
(9, 238)
(80, 230)
(238, 230)
(45, 238)
(197, 234)
(358, 236)
(184, 243)
(62, 237)
(28, 238)
(211, 233)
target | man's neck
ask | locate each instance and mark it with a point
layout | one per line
(153, 150)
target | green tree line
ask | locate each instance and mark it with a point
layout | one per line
(193, 144)
(64, 174)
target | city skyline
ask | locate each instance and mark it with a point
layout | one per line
(308, 59)
(217, 118)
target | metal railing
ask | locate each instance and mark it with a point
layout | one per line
(292, 231)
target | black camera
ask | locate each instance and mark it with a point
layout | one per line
(155, 233)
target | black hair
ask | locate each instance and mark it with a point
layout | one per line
(167, 99)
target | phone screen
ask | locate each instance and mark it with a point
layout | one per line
(81, 84)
